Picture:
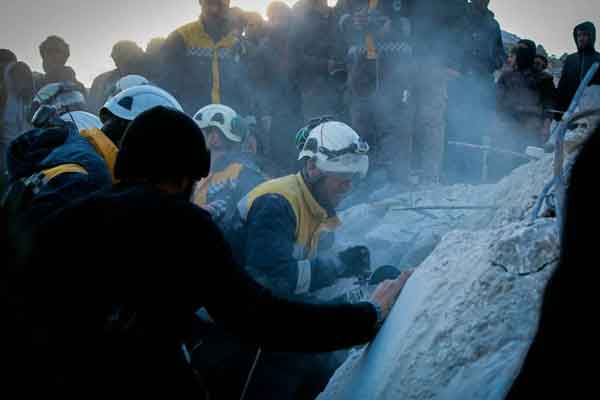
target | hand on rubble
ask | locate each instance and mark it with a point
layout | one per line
(356, 261)
(387, 292)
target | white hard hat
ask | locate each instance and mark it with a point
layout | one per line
(84, 120)
(64, 96)
(335, 147)
(224, 118)
(133, 101)
(127, 82)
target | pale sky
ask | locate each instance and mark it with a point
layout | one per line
(92, 27)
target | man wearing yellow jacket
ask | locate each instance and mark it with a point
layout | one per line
(287, 223)
(68, 156)
(233, 172)
(204, 61)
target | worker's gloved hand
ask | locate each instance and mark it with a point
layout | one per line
(355, 261)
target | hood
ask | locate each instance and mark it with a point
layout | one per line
(586, 27)
(40, 149)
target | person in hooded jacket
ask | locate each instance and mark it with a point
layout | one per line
(114, 321)
(205, 62)
(233, 172)
(577, 65)
(525, 99)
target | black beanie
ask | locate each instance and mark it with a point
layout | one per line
(162, 144)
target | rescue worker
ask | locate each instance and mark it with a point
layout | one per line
(525, 99)
(128, 311)
(472, 105)
(233, 172)
(317, 53)
(68, 156)
(288, 222)
(204, 62)
(578, 64)
(129, 60)
(381, 76)
(283, 235)
(55, 52)
(16, 91)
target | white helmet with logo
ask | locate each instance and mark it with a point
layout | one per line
(335, 147)
(128, 81)
(133, 101)
(231, 125)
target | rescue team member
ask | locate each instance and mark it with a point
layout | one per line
(54, 164)
(205, 62)
(286, 224)
(113, 321)
(233, 172)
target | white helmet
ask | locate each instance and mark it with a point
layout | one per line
(127, 82)
(84, 120)
(335, 147)
(64, 96)
(224, 118)
(133, 101)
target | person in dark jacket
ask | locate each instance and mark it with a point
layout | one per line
(556, 364)
(114, 321)
(55, 52)
(277, 94)
(380, 77)
(61, 162)
(577, 65)
(204, 62)
(525, 99)
(471, 97)
(129, 59)
(233, 172)
(438, 30)
(316, 52)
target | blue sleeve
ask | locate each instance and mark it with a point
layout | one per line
(271, 238)
(271, 231)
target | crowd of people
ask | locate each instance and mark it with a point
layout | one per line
(211, 165)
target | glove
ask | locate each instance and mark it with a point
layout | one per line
(356, 261)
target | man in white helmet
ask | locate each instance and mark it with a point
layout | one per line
(233, 172)
(57, 165)
(288, 222)
(284, 229)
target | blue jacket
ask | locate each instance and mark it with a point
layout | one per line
(231, 178)
(281, 231)
(49, 151)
